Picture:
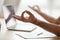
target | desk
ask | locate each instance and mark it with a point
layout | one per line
(1, 16)
(11, 35)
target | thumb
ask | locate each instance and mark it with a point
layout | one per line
(17, 17)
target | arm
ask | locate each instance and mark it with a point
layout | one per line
(49, 27)
(48, 18)
(45, 16)
(58, 21)
(53, 28)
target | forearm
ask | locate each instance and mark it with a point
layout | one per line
(58, 21)
(46, 17)
(49, 27)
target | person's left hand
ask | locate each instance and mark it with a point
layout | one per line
(31, 17)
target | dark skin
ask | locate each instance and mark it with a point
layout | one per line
(51, 27)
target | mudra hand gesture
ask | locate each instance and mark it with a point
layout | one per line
(31, 17)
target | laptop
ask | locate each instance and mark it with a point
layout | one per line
(11, 24)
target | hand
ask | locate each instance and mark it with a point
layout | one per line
(35, 8)
(31, 18)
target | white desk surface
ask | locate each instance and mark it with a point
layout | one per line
(11, 35)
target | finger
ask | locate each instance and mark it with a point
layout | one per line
(17, 17)
(22, 16)
(36, 7)
(28, 12)
(31, 15)
(31, 7)
(23, 13)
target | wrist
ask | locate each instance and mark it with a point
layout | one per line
(35, 21)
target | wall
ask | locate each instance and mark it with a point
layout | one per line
(14, 3)
(1, 3)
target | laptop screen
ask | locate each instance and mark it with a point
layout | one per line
(8, 12)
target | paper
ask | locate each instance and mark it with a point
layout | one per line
(37, 33)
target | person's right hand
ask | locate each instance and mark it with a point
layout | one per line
(35, 8)
(31, 18)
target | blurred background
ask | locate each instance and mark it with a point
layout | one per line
(50, 7)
